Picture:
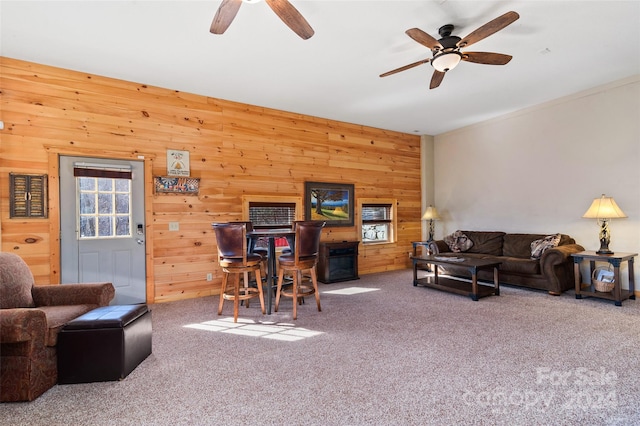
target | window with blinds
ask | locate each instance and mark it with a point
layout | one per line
(271, 215)
(377, 222)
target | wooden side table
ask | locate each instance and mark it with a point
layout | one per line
(615, 260)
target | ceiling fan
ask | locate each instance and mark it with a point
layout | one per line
(285, 10)
(446, 51)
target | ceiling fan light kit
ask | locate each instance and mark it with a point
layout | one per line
(446, 61)
(446, 51)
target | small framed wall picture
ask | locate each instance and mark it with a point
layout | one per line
(175, 185)
(178, 163)
(329, 202)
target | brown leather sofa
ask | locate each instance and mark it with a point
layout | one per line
(30, 318)
(552, 272)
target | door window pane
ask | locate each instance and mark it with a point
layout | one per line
(104, 207)
(105, 184)
(122, 226)
(105, 226)
(87, 203)
(105, 203)
(87, 184)
(122, 203)
(87, 226)
(122, 185)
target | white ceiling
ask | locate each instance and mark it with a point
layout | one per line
(559, 48)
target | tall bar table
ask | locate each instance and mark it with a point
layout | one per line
(271, 235)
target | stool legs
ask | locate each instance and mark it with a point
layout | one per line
(297, 297)
(236, 297)
(314, 280)
(225, 278)
(279, 288)
(246, 294)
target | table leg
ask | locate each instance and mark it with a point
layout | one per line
(632, 280)
(576, 276)
(271, 270)
(496, 281)
(415, 272)
(617, 285)
(474, 284)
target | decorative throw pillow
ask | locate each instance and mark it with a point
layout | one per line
(540, 246)
(458, 242)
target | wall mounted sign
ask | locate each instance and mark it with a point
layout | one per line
(174, 185)
(177, 163)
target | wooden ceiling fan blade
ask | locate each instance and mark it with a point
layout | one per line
(424, 38)
(436, 79)
(290, 16)
(406, 67)
(487, 58)
(489, 28)
(224, 16)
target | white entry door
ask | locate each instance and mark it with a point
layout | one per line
(102, 225)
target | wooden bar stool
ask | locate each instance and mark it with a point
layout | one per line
(234, 259)
(252, 249)
(304, 257)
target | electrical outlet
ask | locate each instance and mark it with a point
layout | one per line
(174, 226)
(209, 276)
(410, 254)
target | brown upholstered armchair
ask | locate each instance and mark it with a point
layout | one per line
(30, 318)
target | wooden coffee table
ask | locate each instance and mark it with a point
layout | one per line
(471, 289)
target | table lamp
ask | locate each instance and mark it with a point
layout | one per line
(431, 214)
(603, 209)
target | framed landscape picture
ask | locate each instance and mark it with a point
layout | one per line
(329, 202)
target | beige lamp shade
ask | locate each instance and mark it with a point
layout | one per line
(604, 208)
(431, 214)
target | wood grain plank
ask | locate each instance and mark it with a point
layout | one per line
(235, 149)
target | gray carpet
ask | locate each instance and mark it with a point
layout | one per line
(399, 355)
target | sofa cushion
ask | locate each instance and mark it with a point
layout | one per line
(519, 245)
(458, 242)
(16, 281)
(58, 316)
(541, 245)
(485, 242)
(520, 266)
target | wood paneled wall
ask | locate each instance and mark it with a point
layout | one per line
(235, 149)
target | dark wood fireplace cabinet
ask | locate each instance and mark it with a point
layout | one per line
(338, 261)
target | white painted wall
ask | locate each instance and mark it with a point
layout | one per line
(538, 170)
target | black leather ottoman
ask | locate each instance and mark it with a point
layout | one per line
(105, 344)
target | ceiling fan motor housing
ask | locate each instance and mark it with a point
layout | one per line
(448, 41)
